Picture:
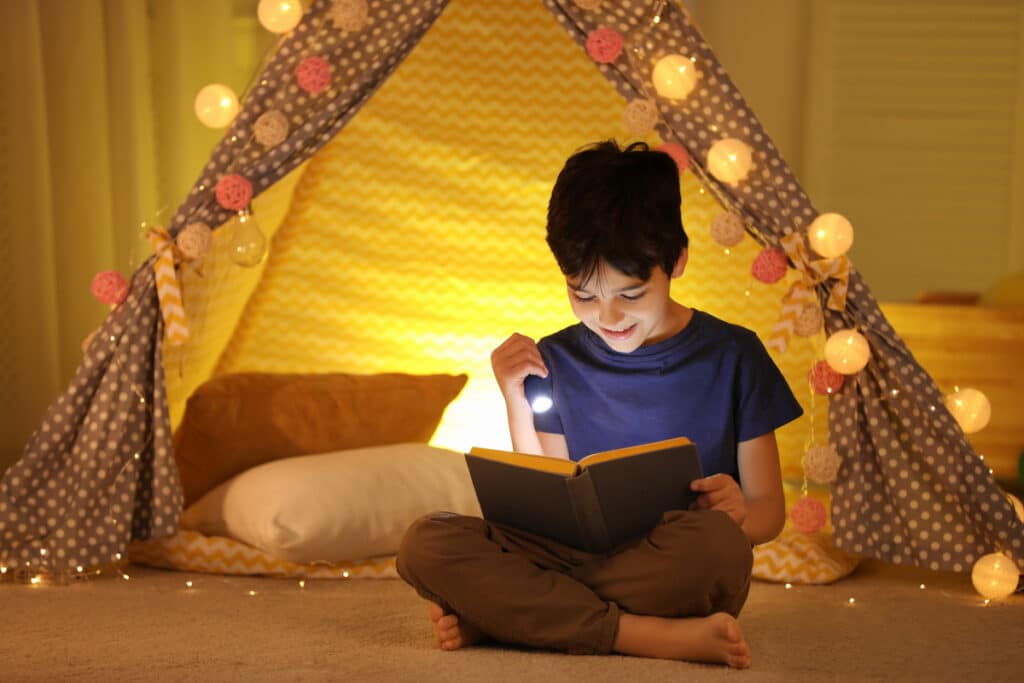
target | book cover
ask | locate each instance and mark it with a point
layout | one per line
(597, 504)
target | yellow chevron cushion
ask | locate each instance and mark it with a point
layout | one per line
(795, 557)
(236, 421)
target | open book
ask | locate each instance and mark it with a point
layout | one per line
(595, 505)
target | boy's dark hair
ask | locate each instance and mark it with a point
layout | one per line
(616, 205)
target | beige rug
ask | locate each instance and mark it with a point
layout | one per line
(154, 628)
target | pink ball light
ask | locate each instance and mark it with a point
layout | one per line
(678, 154)
(824, 380)
(604, 45)
(808, 515)
(110, 287)
(234, 192)
(313, 74)
(770, 265)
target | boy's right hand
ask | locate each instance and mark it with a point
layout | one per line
(517, 357)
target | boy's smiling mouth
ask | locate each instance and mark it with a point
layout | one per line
(619, 335)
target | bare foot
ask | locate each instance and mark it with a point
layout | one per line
(716, 638)
(449, 632)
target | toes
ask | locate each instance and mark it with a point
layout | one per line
(435, 611)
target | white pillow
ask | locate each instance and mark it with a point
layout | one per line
(335, 507)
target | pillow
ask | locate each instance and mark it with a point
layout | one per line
(336, 507)
(237, 421)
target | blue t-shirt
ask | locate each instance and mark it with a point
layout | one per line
(712, 382)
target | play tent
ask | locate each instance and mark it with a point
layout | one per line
(99, 472)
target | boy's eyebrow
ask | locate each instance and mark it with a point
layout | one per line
(620, 290)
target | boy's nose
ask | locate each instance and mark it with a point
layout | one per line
(609, 316)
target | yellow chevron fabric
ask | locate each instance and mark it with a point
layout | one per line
(415, 239)
(193, 552)
(168, 290)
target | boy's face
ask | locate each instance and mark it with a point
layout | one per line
(624, 311)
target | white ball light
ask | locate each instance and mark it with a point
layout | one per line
(971, 409)
(674, 76)
(279, 16)
(995, 576)
(831, 235)
(729, 160)
(847, 352)
(542, 404)
(216, 105)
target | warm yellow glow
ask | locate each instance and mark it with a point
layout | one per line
(674, 77)
(831, 235)
(216, 105)
(279, 16)
(188, 584)
(847, 352)
(970, 408)
(729, 160)
(995, 576)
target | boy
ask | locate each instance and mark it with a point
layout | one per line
(638, 367)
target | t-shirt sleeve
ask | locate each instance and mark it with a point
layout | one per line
(541, 397)
(765, 401)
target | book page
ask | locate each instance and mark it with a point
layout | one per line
(605, 456)
(534, 462)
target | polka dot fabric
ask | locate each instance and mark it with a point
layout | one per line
(911, 490)
(98, 472)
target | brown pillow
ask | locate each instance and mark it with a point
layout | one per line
(237, 421)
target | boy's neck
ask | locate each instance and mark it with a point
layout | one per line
(679, 316)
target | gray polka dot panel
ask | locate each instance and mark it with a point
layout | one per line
(99, 473)
(911, 489)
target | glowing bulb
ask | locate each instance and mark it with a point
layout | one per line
(852, 601)
(36, 580)
(542, 404)
(188, 584)
(248, 243)
(970, 408)
(847, 352)
(995, 576)
(831, 235)
(674, 77)
(279, 16)
(252, 593)
(302, 584)
(729, 160)
(125, 577)
(345, 574)
(78, 569)
(216, 105)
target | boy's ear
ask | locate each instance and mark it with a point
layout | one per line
(680, 263)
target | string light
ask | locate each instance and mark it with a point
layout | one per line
(125, 577)
(302, 584)
(188, 584)
(252, 593)
(851, 602)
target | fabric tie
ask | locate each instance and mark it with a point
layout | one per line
(168, 289)
(801, 293)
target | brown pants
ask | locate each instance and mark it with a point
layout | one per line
(524, 589)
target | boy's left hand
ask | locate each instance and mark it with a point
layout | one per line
(720, 492)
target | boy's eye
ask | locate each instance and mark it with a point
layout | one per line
(633, 297)
(582, 299)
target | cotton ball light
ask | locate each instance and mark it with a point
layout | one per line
(769, 265)
(808, 515)
(604, 45)
(970, 408)
(349, 15)
(729, 160)
(847, 351)
(216, 105)
(831, 235)
(824, 380)
(233, 192)
(674, 76)
(110, 287)
(821, 464)
(271, 128)
(678, 154)
(279, 16)
(194, 241)
(640, 116)
(809, 322)
(313, 74)
(727, 229)
(995, 576)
